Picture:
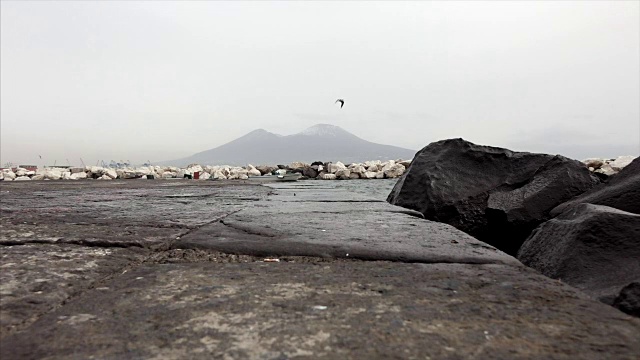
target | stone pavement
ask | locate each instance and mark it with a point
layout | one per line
(175, 269)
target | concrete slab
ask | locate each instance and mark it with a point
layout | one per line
(329, 310)
(338, 223)
(35, 279)
(138, 278)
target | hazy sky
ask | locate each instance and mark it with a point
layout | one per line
(158, 80)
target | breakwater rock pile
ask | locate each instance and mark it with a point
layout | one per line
(608, 167)
(375, 169)
(570, 220)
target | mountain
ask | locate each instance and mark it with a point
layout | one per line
(321, 142)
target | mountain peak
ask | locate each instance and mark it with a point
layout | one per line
(323, 130)
(260, 133)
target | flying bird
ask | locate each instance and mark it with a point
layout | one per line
(341, 102)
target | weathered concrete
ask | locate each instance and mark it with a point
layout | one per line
(330, 310)
(35, 279)
(154, 283)
(319, 221)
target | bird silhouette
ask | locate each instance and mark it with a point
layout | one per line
(341, 102)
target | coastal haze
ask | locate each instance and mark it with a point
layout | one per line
(157, 81)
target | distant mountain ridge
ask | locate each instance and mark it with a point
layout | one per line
(321, 142)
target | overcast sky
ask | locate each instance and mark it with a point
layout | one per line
(158, 80)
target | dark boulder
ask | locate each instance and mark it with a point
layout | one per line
(592, 247)
(310, 172)
(266, 169)
(621, 191)
(316, 163)
(628, 300)
(494, 194)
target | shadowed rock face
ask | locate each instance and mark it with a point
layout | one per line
(494, 194)
(629, 299)
(622, 192)
(592, 247)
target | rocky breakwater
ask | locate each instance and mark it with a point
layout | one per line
(319, 170)
(594, 242)
(578, 222)
(497, 195)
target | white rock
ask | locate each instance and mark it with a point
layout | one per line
(252, 171)
(404, 163)
(359, 169)
(335, 167)
(31, 173)
(38, 177)
(594, 163)
(354, 175)
(369, 175)
(181, 173)
(237, 173)
(394, 171)
(22, 178)
(78, 175)
(372, 164)
(9, 175)
(105, 177)
(52, 174)
(205, 176)
(168, 175)
(325, 176)
(607, 170)
(387, 165)
(143, 171)
(218, 175)
(98, 170)
(21, 172)
(66, 175)
(343, 174)
(193, 168)
(111, 173)
(380, 175)
(622, 161)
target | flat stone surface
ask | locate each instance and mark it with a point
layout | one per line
(35, 279)
(357, 226)
(174, 269)
(181, 204)
(344, 309)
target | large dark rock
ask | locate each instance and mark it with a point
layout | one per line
(266, 169)
(494, 194)
(310, 172)
(592, 247)
(621, 191)
(628, 300)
